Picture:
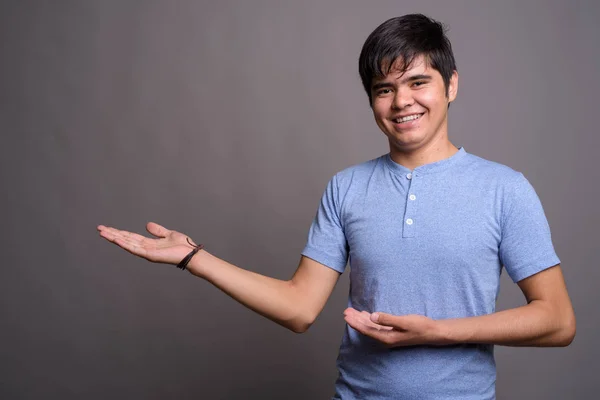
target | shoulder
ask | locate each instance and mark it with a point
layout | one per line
(491, 169)
(354, 179)
(359, 172)
(492, 175)
(512, 190)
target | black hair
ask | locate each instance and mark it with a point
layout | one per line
(404, 38)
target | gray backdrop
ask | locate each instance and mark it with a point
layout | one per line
(224, 120)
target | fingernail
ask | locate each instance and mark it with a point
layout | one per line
(375, 317)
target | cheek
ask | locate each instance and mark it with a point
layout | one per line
(378, 111)
(432, 100)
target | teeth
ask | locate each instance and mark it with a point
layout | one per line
(407, 118)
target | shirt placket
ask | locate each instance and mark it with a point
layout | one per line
(411, 219)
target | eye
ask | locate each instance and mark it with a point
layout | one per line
(418, 83)
(382, 92)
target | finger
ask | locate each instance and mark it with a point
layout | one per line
(111, 231)
(115, 236)
(108, 235)
(365, 318)
(387, 320)
(131, 247)
(133, 236)
(352, 313)
(157, 230)
(362, 319)
(355, 322)
(112, 234)
(102, 228)
(361, 327)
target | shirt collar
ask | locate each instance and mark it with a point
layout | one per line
(437, 166)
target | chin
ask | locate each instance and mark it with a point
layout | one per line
(408, 145)
(406, 140)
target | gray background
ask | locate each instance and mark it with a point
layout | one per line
(224, 120)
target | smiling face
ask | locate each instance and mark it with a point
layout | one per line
(411, 107)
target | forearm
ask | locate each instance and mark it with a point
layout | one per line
(535, 324)
(275, 299)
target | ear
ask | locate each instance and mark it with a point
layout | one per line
(453, 86)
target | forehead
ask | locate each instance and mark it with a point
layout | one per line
(418, 66)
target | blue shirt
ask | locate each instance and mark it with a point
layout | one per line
(432, 242)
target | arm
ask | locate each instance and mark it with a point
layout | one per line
(294, 303)
(547, 320)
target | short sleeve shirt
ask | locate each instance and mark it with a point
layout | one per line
(431, 241)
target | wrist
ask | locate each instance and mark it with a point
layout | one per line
(197, 265)
(449, 333)
(443, 334)
(186, 260)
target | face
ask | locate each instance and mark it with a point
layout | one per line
(411, 108)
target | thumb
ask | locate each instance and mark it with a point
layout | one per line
(383, 319)
(157, 230)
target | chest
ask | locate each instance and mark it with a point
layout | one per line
(424, 221)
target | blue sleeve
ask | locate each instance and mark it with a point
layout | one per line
(526, 246)
(326, 239)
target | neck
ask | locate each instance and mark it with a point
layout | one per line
(427, 154)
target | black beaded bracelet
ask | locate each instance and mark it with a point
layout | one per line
(183, 264)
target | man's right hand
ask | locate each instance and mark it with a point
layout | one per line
(293, 303)
(170, 248)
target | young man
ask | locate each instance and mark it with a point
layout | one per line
(426, 228)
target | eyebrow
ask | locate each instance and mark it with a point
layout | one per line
(418, 78)
(382, 85)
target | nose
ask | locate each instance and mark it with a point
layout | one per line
(402, 99)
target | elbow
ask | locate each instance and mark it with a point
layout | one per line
(565, 334)
(301, 323)
(300, 326)
(568, 332)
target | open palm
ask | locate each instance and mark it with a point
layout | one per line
(170, 247)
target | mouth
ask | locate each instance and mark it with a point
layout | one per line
(407, 118)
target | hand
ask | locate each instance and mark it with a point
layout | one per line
(392, 330)
(170, 248)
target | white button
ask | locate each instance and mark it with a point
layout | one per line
(412, 197)
(409, 176)
(409, 221)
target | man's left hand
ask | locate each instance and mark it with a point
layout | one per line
(393, 330)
